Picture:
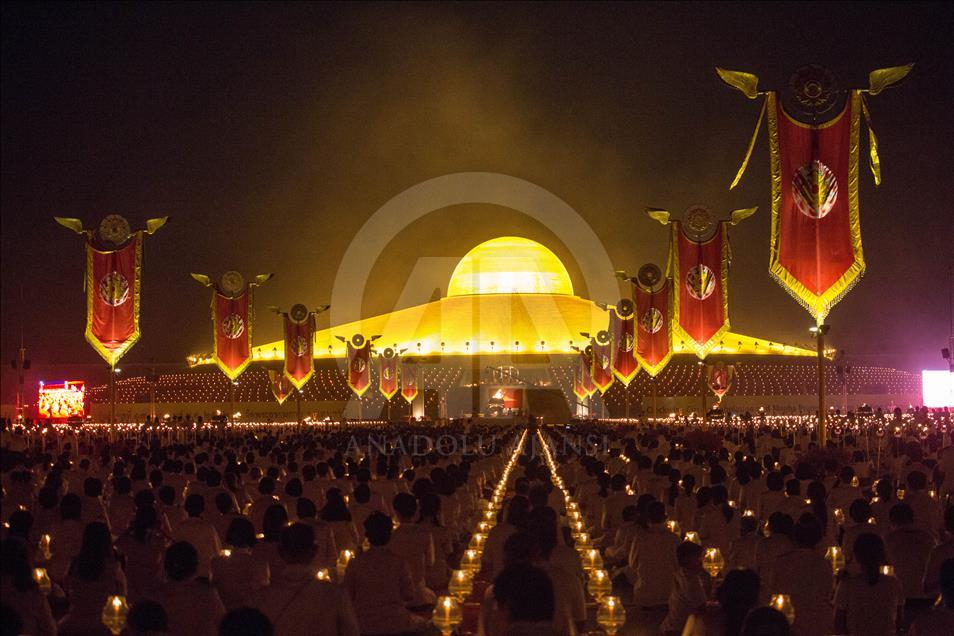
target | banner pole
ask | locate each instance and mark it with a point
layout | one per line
(702, 374)
(653, 382)
(298, 405)
(822, 425)
(112, 396)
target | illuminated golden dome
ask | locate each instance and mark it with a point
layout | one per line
(510, 265)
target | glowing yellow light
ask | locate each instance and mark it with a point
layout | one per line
(510, 264)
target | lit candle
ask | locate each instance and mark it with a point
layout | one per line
(447, 614)
(471, 560)
(344, 558)
(836, 557)
(713, 562)
(42, 579)
(611, 615)
(783, 603)
(323, 575)
(673, 527)
(225, 552)
(461, 584)
(599, 584)
(44, 547)
(887, 570)
(114, 614)
(693, 536)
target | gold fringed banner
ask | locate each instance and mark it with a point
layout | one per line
(748, 151)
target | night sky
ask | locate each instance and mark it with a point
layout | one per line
(270, 133)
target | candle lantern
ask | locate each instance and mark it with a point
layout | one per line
(470, 561)
(835, 556)
(447, 615)
(599, 584)
(344, 558)
(461, 584)
(44, 547)
(693, 537)
(783, 603)
(42, 578)
(592, 559)
(713, 562)
(114, 614)
(611, 615)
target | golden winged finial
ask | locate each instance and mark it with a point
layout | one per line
(154, 224)
(202, 279)
(658, 214)
(882, 78)
(70, 223)
(741, 215)
(746, 83)
(262, 279)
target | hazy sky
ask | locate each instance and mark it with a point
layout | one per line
(271, 132)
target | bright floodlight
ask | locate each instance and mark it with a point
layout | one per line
(937, 388)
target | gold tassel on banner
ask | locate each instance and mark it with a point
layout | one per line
(873, 157)
(748, 152)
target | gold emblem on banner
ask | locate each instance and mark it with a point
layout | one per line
(700, 282)
(815, 189)
(233, 326)
(651, 320)
(114, 289)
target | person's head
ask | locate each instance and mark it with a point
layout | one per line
(539, 495)
(656, 512)
(240, 533)
(147, 617)
(630, 514)
(870, 555)
(901, 515)
(362, 494)
(518, 511)
(71, 507)
(377, 528)
(430, 504)
(195, 505)
(167, 495)
(305, 508)
(774, 481)
(689, 557)
(245, 621)
(765, 621)
(96, 548)
(92, 487)
(297, 544)
(405, 505)
(859, 511)
(780, 523)
(145, 520)
(808, 531)
(885, 489)
(122, 485)
(738, 594)
(48, 498)
(793, 488)
(224, 503)
(917, 480)
(181, 561)
(275, 519)
(266, 486)
(335, 508)
(15, 563)
(542, 526)
(524, 593)
(520, 547)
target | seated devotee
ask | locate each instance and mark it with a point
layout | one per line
(867, 601)
(737, 595)
(122, 506)
(94, 575)
(246, 621)
(326, 551)
(223, 513)
(617, 500)
(20, 595)
(618, 551)
(806, 577)
(192, 605)
(413, 543)
(378, 583)
(719, 524)
(773, 546)
(940, 620)
(266, 498)
(882, 503)
(908, 549)
(142, 547)
(199, 532)
(843, 493)
(93, 507)
(941, 553)
(296, 601)
(274, 521)
(688, 590)
(438, 573)
(515, 520)
(525, 597)
(742, 551)
(566, 580)
(361, 507)
(66, 536)
(147, 618)
(653, 559)
(858, 523)
(171, 514)
(765, 621)
(928, 513)
(335, 513)
(237, 573)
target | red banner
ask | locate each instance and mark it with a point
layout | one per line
(388, 373)
(299, 346)
(232, 321)
(654, 335)
(359, 364)
(578, 389)
(701, 268)
(719, 378)
(602, 369)
(280, 384)
(622, 327)
(113, 281)
(408, 381)
(815, 248)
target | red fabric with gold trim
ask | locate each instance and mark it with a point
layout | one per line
(409, 381)
(359, 367)
(232, 318)
(578, 389)
(719, 378)
(387, 375)
(622, 330)
(701, 269)
(299, 354)
(654, 333)
(602, 369)
(280, 384)
(816, 237)
(112, 298)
